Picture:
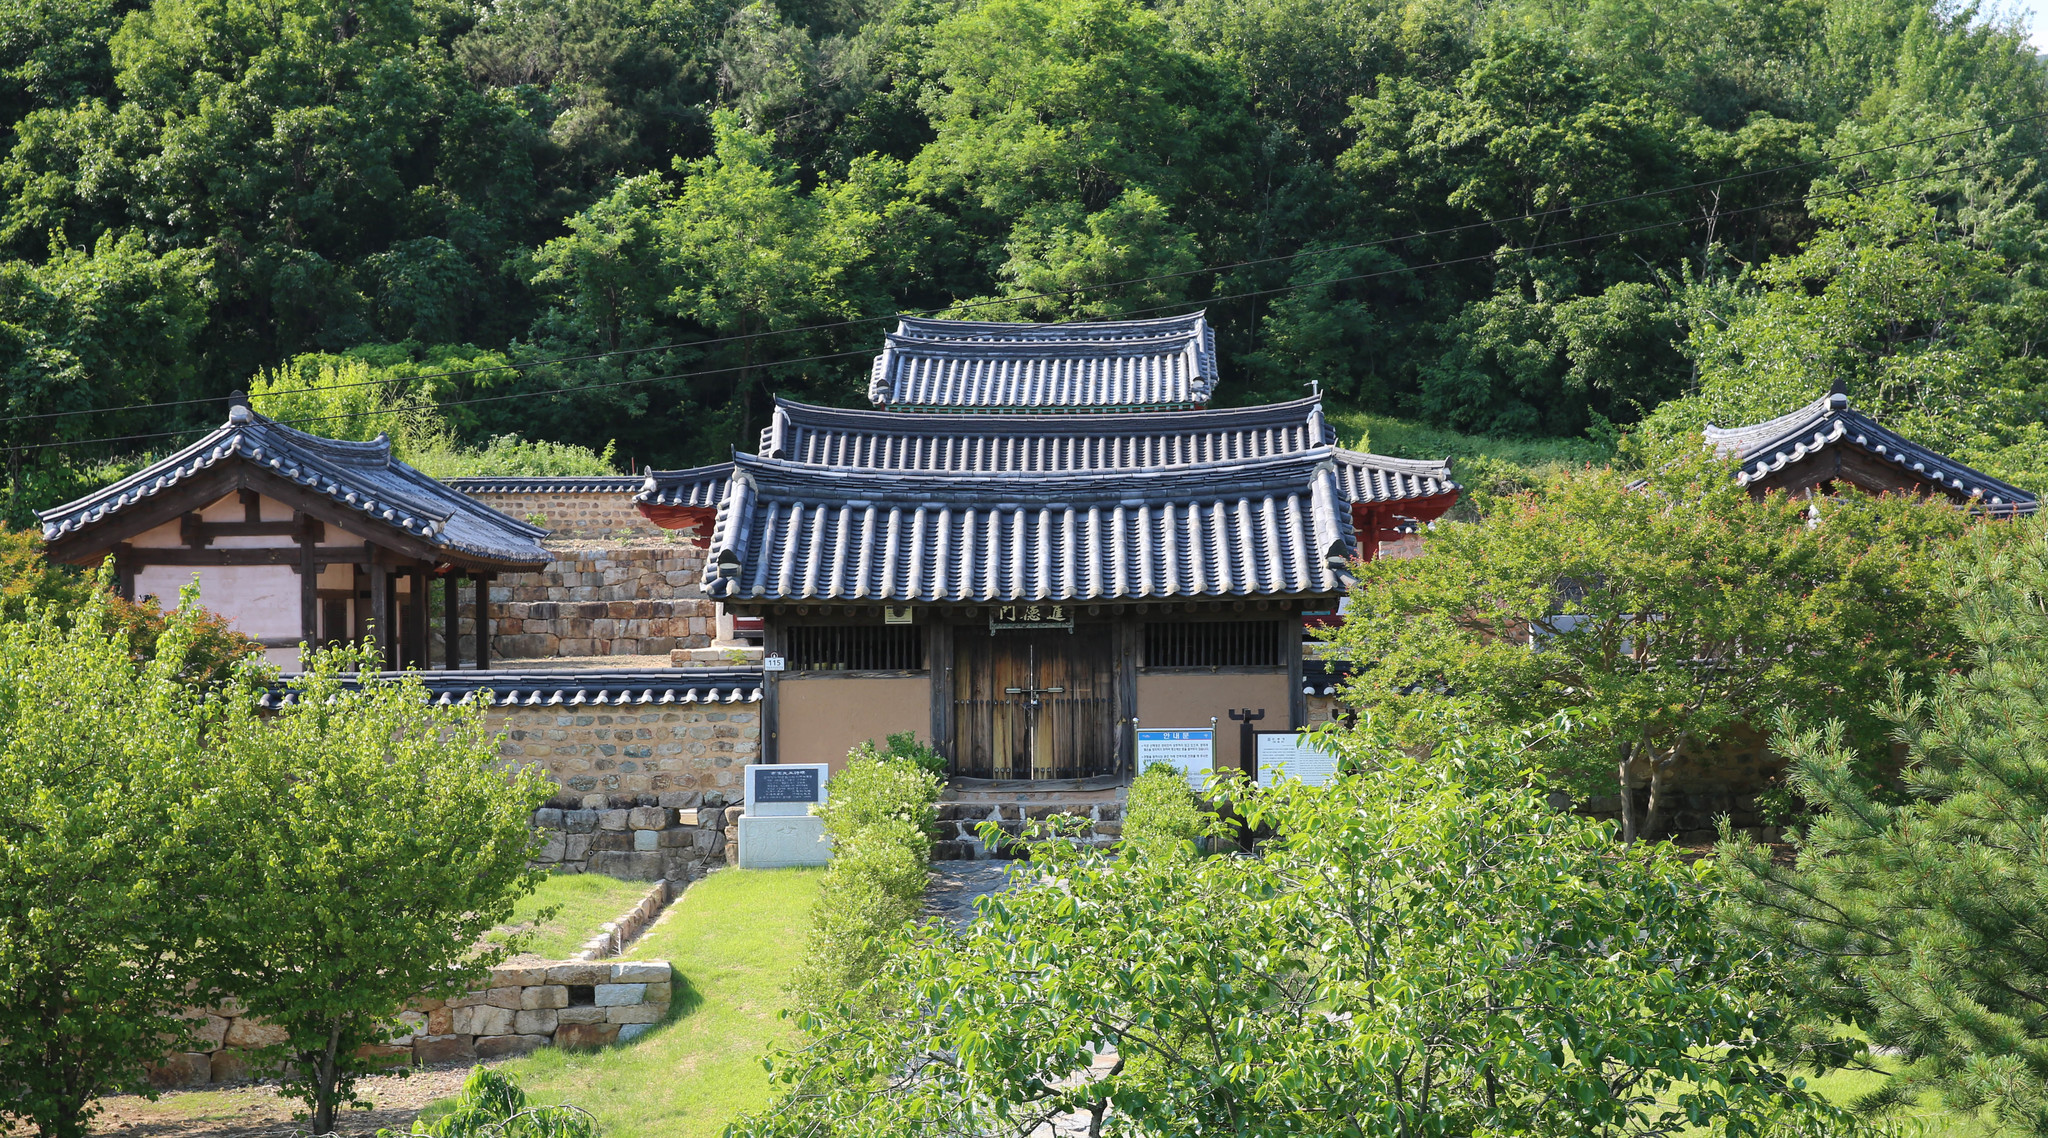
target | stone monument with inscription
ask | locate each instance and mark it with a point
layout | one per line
(777, 828)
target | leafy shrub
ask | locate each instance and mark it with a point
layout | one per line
(493, 1105)
(876, 787)
(880, 818)
(1161, 809)
(904, 745)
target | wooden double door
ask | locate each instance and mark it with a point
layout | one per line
(1034, 704)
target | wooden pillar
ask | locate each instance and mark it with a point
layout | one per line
(938, 654)
(483, 621)
(451, 639)
(124, 571)
(309, 593)
(380, 610)
(416, 629)
(771, 704)
(1297, 700)
(1128, 638)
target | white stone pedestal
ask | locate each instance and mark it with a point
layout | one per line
(775, 843)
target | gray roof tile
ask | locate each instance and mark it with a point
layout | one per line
(565, 688)
(1106, 366)
(362, 477)
(697, 486)
(1767, 447)
(1272, 526)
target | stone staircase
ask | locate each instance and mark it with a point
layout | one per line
(968, 803)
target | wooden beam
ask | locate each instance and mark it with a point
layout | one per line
(252, 506)
(276, 555)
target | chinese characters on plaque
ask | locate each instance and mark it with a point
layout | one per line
(1032, 617)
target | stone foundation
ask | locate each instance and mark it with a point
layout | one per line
(959, 824)
(526, 1007)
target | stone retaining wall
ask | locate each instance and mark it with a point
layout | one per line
(604, 600)
(573, 1004)
(637, 838)
(613, 758)
(959, 823)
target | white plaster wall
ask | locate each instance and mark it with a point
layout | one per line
(258, 600)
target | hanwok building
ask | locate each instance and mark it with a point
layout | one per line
(1041, 539)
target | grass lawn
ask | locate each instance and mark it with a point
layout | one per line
(730, 938)
(586, 900)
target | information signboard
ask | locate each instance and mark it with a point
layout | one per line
(1290, 754)
(787, 790)
(1191, 750)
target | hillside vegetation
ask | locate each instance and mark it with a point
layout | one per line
(633, 221)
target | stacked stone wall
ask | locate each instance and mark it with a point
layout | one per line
(609, 600)
(572, 1004)
(607, 758)
(677, 835)
(587, 516)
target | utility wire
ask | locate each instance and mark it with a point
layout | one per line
(1085, 289)
(1404, 269)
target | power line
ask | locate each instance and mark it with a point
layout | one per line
(1473, 259)
(1226, 267)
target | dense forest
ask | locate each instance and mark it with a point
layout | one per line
(634, 221)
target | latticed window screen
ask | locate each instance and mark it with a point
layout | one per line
(854, 648)
(1214, 644)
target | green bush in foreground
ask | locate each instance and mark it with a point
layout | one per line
(375, 838)
(1161, 808)
(879, 816)
(1925, 922)
(1418, 952)
(493, 1105)
(102, 769)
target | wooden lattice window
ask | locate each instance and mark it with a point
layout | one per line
(1214, 644)
(854, 648)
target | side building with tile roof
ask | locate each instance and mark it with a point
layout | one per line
(299, 539)
(1043, 541)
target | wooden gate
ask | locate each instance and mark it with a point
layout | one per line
(1034, 704)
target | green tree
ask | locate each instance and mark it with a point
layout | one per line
(1926, 329)
(1422, 948)
(1917, 915)
(1664, 615)
(103, 775)
(376, 838)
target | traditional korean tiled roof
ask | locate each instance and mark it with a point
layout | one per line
(960, 365)
(1272, 526)
(546, 688)
(697, 486)
(1026, 443)
(360, 477)
(1770, 446)
(1377, 478)
(553, 484)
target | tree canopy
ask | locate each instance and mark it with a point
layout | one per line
(1530, 218)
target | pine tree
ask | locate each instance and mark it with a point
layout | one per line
(1919, 904)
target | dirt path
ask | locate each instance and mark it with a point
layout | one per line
(256, 1111)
